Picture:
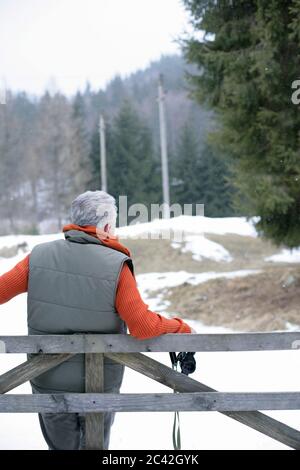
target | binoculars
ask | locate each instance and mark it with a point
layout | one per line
(186, 361)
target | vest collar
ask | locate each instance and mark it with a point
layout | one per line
(78, 236)
(87, 234)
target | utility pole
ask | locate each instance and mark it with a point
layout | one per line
(164, 149)
(102, 154)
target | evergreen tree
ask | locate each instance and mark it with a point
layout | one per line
(132, 167)
(216, 188)
(116, 91)
(202, 176)
(248, 63)
(186, 186)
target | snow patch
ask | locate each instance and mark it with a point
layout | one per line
(190, 225)
(202, 248)
(157, 281)
(235, 371)
(31, 240)
(285, 256)
(152, 282)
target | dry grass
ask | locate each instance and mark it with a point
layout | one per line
(159, 256)
(259, 302)
(255, 303)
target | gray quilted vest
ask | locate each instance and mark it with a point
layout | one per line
(71, 289)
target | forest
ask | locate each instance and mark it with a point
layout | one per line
(49, 148)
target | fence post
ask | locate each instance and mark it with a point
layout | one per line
(94, 383)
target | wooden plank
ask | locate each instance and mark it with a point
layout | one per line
(171, 342)
(182, 383)
(95, 403)
(30, 369)
(94, 383)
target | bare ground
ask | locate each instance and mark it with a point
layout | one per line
(262, 302)
(159, 256)
(258, 302)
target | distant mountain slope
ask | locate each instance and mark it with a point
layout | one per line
(141, 88)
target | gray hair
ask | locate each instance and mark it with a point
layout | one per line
(96, 208)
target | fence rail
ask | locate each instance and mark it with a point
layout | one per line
(53, 350)
(172, 342)
(197, 401)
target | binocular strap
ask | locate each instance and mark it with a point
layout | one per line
(176, 424)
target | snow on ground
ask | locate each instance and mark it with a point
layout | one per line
(151, 282)
(201, 248)
(186, 233)
(286, 256)
(31, 240)
(192, 224)
(238, 371)
(187, 224)
(156, 281)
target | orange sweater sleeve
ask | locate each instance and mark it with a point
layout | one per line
(141, 322)
(15, 281)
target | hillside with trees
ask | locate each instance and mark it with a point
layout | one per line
(49, 148)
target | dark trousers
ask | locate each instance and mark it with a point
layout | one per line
(66, 431)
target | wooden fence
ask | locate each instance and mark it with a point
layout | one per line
(193, 395)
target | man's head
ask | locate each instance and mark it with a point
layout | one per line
(96, 208)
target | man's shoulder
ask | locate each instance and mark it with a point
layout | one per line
(48, 244)
(46, 247)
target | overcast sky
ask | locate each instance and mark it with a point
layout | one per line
(77, 41)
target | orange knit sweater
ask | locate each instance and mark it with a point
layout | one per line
(142, 322)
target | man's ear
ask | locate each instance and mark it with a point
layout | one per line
(107, 228)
